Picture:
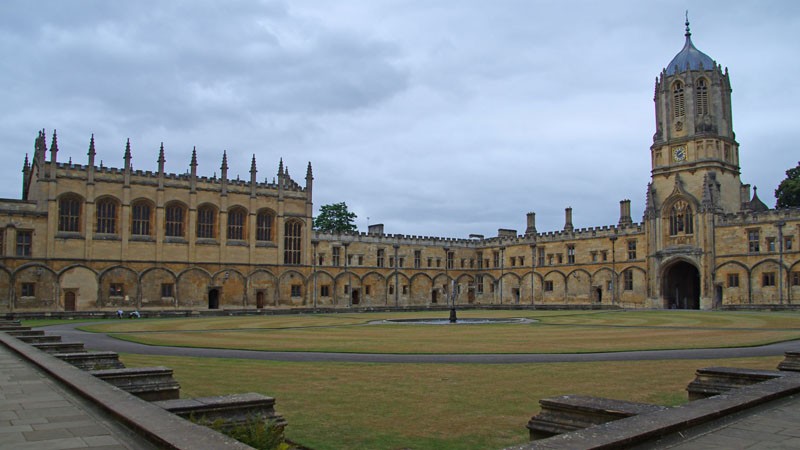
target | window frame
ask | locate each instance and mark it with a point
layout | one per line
(70, 221)
(106, 215)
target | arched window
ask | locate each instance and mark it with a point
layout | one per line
(107, 216)
(264, 226)
(69, 214)
(174, 224)
(141, 218)
(678, 104)
(291, 242)
(236, 224)
(206, 221)
(701, 94)
(680, 219)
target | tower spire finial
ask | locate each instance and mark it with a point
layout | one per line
(688, 33)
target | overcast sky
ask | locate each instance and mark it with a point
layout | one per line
(438, 118)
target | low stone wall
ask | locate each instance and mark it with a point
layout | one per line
(148, 383)
(232, 410)
(712, 381)
(574, 412)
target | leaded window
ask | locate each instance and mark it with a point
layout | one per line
(69, 214)
(107, 216)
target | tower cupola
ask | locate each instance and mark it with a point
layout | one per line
(689, 58)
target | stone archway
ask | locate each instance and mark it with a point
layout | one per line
(681, 286)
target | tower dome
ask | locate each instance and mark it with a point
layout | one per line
(689, 56)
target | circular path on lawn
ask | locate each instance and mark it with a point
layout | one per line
(101, 341)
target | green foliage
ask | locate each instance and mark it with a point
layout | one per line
(335, 218)
(788, 192)
(255, 432)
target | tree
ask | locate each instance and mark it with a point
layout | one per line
(788, 192)
(335, 218)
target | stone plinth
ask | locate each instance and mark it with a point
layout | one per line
(92, 360)
(791, 362)
(61, 347)
(232, 410)
(574, 412)
(148, 383)
(712, 381)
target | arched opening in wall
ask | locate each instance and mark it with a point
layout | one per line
(213, 299)
(681, 288)
(471, 295)
(598, 294)
(260, 299)
(434, 296)
(70, 301)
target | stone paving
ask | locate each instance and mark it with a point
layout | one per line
(775, 426)
(37, 413)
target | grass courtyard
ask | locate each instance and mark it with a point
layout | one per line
(449, 406)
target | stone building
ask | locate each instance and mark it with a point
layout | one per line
(85, 237)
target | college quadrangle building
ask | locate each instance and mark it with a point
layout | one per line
(85, 237)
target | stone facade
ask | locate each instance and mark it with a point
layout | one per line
(86, 238)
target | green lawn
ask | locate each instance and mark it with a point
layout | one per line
(553, 332)
(427, 406)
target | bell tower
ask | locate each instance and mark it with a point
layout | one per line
(694, 147)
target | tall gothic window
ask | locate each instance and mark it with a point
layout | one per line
(107, 216)
(678, 104)
(264, 226)
(701, 92)
(69, 214)
(174, 225)
(141, 218)
(680, 219)
(206, 219)
(292, 238)
(236, 228)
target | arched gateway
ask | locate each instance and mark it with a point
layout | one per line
(681, 286)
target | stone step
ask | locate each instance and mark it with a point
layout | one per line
(40, 339)
(791, 362)
(148, 383)
(25, 333)
(7, 328)
(567, 413)
(232, 410)
(712, 381)
(92, 360)
(61, 347)
(6, 322)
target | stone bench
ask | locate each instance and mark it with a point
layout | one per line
(791, 362)
(232, 410)
(712, 381)
(148, 383)
(92, 360)
(574, 412)
(48, 338)
(61, 347)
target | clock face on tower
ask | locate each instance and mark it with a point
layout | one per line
(679, 153)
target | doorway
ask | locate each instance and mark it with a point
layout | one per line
(681, 286)
(355, 298)
(213, 299)
(70, 301)
(471, 295)
(598, 294)
(434, 296)
(260, 299)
